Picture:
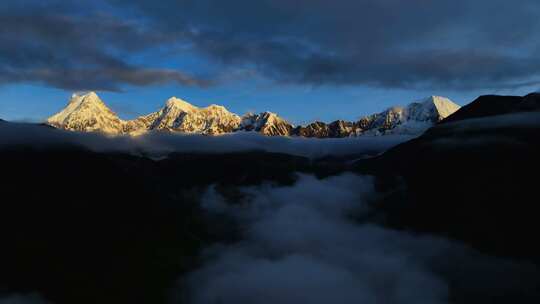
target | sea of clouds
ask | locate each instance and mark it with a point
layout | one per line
(159, 143)
(312, 243)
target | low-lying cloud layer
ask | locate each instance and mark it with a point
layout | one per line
(160, 144)
(309, 243)
(512, 120)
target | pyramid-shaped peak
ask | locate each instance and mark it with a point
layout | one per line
(443, 105)
(87, 112)
(433, 108)
(179, 104)
(85, 98)
(437, 99)
(85, 94)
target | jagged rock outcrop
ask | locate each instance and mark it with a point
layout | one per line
(179, 115)
(266, 123)
(341, 128)
(315, 129)
(141, 124)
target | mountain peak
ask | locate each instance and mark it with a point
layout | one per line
(180, 116)
(180, 104)
(86, 112)
(442, 105)
(266, 123)
(84, 94)
(437, 100)
(78, 98)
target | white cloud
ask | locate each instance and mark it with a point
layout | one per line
(306, 244)
(301, 245)
(513, 120)
(159, 144)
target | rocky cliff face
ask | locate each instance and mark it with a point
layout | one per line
(87, 113)
(266, 123)
(140, 125)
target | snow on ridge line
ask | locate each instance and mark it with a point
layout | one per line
(181, 104)
(444, 106)
(87, 112)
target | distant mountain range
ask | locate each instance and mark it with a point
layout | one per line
(88, 113)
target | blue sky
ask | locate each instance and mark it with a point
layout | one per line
(295, 103)
(308, 60)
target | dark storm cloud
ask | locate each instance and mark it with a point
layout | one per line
(389, 43)
(449, 44)
(98, 78)
(61, 47)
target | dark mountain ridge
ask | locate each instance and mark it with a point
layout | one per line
(472, 177)
(490, 105)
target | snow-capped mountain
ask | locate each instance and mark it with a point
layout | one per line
(87, 113)
(181, 116)
(433, 109)
(140, 125)
(266, 123)
(412, 119)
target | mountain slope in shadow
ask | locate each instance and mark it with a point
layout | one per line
(473, 177)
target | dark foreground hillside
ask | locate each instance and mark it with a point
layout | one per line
(474, 177)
